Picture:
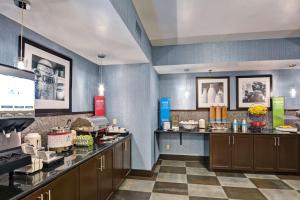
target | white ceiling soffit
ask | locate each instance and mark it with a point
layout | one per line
(86, 27)
(229, 66)
(170, 22)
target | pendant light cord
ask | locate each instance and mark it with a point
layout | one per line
(22, 30)
(101, 71)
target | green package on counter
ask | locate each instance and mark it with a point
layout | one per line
(278, 111)
(84, 140)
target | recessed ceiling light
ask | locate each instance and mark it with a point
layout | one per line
(210, 70)
(186, 70)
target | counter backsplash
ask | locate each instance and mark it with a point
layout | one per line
(43, 125)
(239, 115)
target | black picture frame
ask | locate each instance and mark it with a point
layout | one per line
(50, 112)
(238, 106)
(218, 77)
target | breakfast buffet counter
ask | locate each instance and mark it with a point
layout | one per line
(266, 151)
(229, 131)
(23, 185)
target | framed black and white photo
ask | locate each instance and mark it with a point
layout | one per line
(53, 72)
(254, 90)
(212, 91)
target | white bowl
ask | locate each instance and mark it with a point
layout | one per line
(189, 125)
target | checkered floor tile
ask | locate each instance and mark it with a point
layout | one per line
(191, 180)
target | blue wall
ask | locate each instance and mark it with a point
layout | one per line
(219, 52)
(131, 92)
(173, 85)
(127, 11)
(85, 73)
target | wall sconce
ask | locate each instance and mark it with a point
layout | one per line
(293, 93)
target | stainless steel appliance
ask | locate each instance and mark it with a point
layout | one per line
(90, 125)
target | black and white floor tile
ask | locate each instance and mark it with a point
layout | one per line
(191, 180)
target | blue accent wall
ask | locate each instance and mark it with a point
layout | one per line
(219, 52)
(174, 86)
(85, 73)
(131, 96)
(127, 11)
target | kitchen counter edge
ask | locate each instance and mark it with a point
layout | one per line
(52, 178)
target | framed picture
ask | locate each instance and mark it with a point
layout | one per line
(253, 90)
(212, 91)
(53, 87)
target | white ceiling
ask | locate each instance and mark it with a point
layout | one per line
(87, 27)
(229, 66)
(169, 22)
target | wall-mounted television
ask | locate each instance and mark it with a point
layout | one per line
(17, 90)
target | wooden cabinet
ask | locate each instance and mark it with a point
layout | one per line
(95, 179)
(65, 187)
(88, 179)
(118, 165)
(228, 151)
(242, 152)
(276, 153)
(36, 195)
(220, 151)
(287, 153)
(105, 175)
(265, 152)
(127, 156)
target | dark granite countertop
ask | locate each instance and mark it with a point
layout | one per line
(229, 131)
(26, 184)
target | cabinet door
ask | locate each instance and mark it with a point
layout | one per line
(117, 165)
(88, 179)
(287, 153)
(265, 153)
(242, 152)
(106, 177)
(127, 156)
(220, 151)
(65, 187)
(37, 195)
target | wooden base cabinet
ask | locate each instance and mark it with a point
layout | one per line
(265, 153)
(242, 152)
(220, 151)
(118, 166)
(127, 156)
(95, 179)
(88, 179)
(105, 175)
(231, 151)
(65, 187)
(276, 153)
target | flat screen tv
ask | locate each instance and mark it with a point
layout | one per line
(17, 90)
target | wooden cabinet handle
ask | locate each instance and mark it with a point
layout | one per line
(275, 141)
(41, 197)
(278, 141)
(233, 139)
(229, 140)
(49, 194)
(101, 164)
(103, 161)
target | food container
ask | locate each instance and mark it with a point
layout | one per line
(84, 140)
(60, 138)
(166, 125)
(189, 125)
(202, 123)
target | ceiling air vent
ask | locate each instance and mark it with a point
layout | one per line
(138, 30)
